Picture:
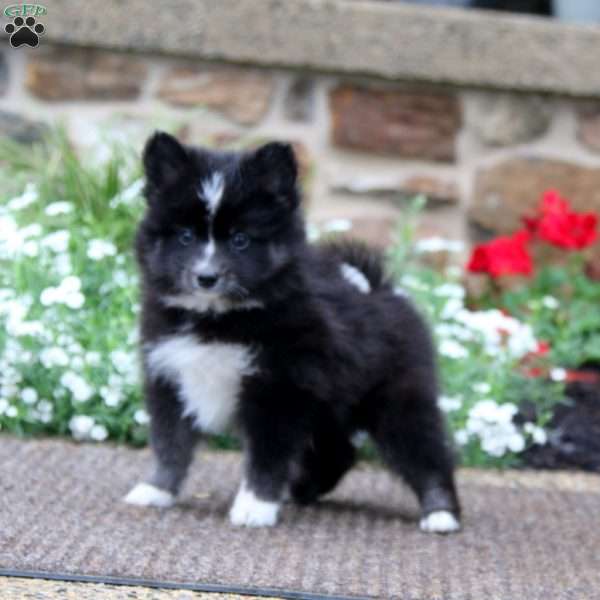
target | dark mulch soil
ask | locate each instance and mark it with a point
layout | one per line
(574, 432)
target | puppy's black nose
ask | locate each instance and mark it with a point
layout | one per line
(207, 281)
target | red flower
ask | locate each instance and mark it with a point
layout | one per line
(534, 372)
(561, 226)
(503, 256)
(543, 348)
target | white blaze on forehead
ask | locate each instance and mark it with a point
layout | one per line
(211, 190)
(205, 264)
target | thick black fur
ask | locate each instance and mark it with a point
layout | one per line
(330, 359)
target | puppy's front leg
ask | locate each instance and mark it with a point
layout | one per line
(264, 486)
(172, 439)
(273, 439)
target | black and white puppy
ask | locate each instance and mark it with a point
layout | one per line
(298, 346)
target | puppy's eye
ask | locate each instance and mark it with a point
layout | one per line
(239, 241)
(186, 237)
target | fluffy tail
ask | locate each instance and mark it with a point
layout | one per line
(365, 259)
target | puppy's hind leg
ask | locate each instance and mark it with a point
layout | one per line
(408, 429)
(326, 459)
(172, 439)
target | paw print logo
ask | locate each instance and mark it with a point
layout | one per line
(24, 32)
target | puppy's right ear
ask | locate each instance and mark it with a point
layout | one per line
(165, 159)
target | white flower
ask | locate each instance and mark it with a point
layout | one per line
(482, 387)
(16, 310)
(121, 278)
(558, 374)
(337, 225)
(453, 330)
(493, 327)
(452, 307)
(438, 244)
(33, 230)
(30, 248)
(66, 293)
(538, 434)
(77, 363)
(450, 290)
(62, 264)
(99, 249)
(81, 426)
(79, 387)
(93, 358)
(129, 194)
(45, 407)
(461, 437)
(54, 357)
(454, 272)
(98, 433)
(493, 424)
(3, 406)
(14, 240)
(522, 341)
(550, 302)
(410, 281)
(71, 284)
(493, 446)
(76, 300)
(11, 412)
(448, 404)
(492, 412)
(22, 328)
(141, 417)
(453, 349)
(58, 208)
(110, 396)
(29, 196)
(49, 296)
(57, 242)
(516, 442)
(29, 395)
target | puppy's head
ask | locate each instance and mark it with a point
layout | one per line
(219, 226)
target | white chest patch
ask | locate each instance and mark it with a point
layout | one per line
(209, 376)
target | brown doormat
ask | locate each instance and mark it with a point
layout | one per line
(527, 536)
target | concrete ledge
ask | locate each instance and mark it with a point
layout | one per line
(392, 41)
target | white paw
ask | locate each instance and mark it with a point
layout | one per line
(250, 511)
(440, 521)
(144, 494)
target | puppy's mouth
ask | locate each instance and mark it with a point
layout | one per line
(218, 286)
(223, 294)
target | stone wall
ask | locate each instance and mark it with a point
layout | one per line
(482, 157)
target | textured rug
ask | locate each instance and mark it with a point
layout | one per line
(526, 535)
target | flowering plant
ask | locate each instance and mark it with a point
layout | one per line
(515, 346)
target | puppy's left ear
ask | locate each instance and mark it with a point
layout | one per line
(275, 168)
